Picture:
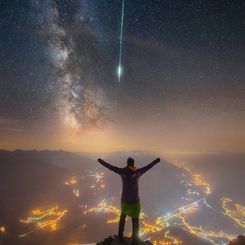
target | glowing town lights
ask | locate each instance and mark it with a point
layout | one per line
(71, 181)
(199, 181)
(98, 176)
(2, 229)
(150, 228)
(79, 244)
(235, 211)
(168, 240)
(105, 208)
(76, 192)
(44, 219)
(182, 165)
(99, 180)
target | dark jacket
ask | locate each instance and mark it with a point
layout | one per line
(130, 179)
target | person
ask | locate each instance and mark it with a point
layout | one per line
(130, 201)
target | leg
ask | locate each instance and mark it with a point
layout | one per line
(135, 236)
(121, 226)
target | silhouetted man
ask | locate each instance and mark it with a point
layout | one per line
(130, 201)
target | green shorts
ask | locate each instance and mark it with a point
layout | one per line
(132, 210)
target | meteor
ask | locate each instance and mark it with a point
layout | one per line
(119, 67)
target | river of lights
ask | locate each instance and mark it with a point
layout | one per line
(181, 214)
(45, 219)
(212, 236)
(235, 211)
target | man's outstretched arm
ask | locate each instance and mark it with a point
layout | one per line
(109, 166)
(148, 166)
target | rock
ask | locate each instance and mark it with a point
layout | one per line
(240, 240)
(127, 241)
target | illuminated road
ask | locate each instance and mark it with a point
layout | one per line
(44, 219)
(235, 211)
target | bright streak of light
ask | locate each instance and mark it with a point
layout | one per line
(119, 72)
(44, 219)
(235, 211)
(119, 68)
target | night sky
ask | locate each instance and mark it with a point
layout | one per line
(182, 87)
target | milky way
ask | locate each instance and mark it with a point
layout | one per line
(80, 101)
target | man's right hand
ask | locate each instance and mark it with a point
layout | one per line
(158, 159)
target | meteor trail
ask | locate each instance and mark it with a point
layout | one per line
(120, 68)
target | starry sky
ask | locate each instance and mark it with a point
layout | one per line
(182, 87)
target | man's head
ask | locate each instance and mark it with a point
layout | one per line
(130, 162)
